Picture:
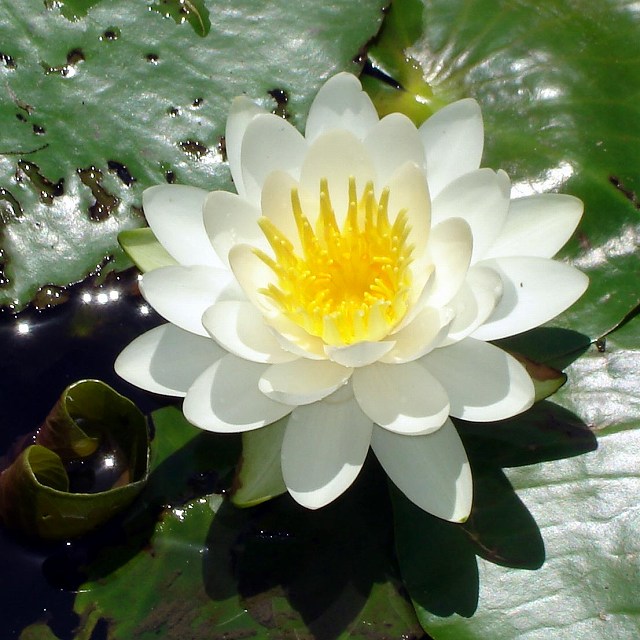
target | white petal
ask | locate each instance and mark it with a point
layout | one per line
(252, 275)
(239, 328)
(538, 225)
(336, 155)
(241, 114)
(408, 190)
(174, 213)
(453, 139)
(482, 199)
(341, 104)
(226, 398)
(166, 360)
(535, 291)
(421, 335)
(450, 249)
(295, 339)
(269, 144)
(483, 382)
(182, 294)
(303, 381)
(431, 470)
(392, 142)
(474, 303)
(324, 448)
(231, 220)
(402, 398)
(359, 354)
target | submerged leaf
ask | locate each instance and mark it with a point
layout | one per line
(259, 474)
(90, 461)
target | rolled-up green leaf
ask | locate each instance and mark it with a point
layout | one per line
(90, 461)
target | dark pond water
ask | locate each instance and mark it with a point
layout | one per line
(41, 353)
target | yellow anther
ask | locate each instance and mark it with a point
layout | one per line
(345, 286)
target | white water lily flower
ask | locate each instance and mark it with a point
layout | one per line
(352, 285)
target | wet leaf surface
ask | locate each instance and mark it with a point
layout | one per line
(559, 87)
(106, 98)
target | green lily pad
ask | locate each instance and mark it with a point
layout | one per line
(106, 98)
(559, 85)
(90, 461)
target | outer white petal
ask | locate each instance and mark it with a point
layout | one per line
(303, 381)
(226, 398)
(425, 332)
(431, 470)
(324, 448)
(450, 249)
(408, 190)
(241, 114)
(393, 142)
(341, 104)
(174, 213)
(482, 199)
(269, 144)
(402, 398)
(231, 220)
(239, 328)
(182, 294)
(535, 291)
(359, 354)
(453, 139)
(166, 360)
(538, 225)
(336, 156)
(483, 382)
(474, 303)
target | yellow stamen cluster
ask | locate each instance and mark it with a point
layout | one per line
(348, 285)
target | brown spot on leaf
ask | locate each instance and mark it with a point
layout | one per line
(105, 202)
(48, 189)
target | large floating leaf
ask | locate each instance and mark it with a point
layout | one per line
(89, 462)
(105, 98)
(559, 84)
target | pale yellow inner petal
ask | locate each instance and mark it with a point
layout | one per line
(345, 285)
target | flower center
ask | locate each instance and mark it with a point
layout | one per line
(344, 285)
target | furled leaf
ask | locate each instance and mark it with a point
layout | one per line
(90, 461)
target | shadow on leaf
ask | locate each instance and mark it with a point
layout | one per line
(311, 571)
(438, 558)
